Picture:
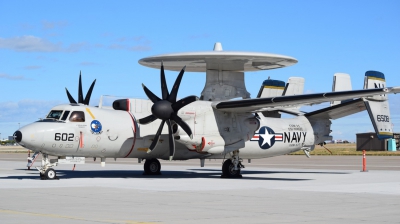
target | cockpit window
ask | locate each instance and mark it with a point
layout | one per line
(54, 114)
(65, 115)
(77, 116)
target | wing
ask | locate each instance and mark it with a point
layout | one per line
(259, 104)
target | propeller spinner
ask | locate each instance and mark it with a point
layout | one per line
(80, 94)
(166, 110)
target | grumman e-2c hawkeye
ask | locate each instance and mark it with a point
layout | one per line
(210, 127)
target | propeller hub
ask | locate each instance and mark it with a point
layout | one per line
(162, 109)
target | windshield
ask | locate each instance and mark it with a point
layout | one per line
(54, 114)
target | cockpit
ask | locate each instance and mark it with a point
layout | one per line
(65, 115)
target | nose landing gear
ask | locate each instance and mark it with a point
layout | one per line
(46, 171)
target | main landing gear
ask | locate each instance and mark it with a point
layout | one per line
(46, 170)
(231, 167)
(152, 167)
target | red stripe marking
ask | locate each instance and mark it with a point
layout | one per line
(128, 105)
(81, 141)
(134, 133)
(203, 143)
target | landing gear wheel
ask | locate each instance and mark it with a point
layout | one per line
(50, 174)
(228, 170)
(152, 167)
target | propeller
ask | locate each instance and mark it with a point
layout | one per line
(80, 94)
(166, 110)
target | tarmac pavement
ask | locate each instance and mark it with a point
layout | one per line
(285, 189)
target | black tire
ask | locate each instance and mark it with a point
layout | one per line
(152, 167)
(228, 170)
(50, 174)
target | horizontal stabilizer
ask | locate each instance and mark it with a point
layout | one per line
(258, 104)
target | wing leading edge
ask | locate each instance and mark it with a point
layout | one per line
(259, 104)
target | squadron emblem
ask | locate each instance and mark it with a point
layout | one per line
(96, 127)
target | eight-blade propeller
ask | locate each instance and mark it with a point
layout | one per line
(80, 94)
(166, 109)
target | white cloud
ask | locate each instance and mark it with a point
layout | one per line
(140, 43)
(29, 44)
(87, 63)
(140, 48)
(18, 77)
(25, 110)
(47, 25)
(37, 44)
(32, 67)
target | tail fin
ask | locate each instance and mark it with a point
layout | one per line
(341, 82)
(378, 106)
(294, 86)
(271, 88)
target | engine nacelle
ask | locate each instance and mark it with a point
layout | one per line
(122, 104)
(209, 143)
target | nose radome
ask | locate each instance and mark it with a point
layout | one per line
(18, 136)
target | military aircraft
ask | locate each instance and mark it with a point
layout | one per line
(217, 125)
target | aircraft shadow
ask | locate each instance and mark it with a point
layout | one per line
(273, 172)
(137, 174)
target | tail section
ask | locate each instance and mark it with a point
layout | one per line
(271, 88)
(294, 86)
(341, 82)
(378, 106)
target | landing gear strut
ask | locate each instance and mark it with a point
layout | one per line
(152, 167)
(46, 170)
(231, 167)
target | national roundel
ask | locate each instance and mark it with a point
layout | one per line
(266, 137)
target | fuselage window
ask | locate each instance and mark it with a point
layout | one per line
(65, 115)
(77, 116)
(54, 114)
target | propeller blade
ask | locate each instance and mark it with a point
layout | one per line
(164, 88)
(147, 120)
(171, 141)
(175, 88)
(156, 138)
(89, 93)
(150, 94)
(80, 94)
(183, 124)
(70, 98)
(183, 102)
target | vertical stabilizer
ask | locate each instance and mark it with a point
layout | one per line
(271, 88)
(378, 106)
(294, 86)
(341, 82)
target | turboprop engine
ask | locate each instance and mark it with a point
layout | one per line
(214, 143)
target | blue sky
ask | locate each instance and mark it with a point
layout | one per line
(44, 45)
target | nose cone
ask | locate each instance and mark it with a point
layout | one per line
(28, 136)
(18, 136)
